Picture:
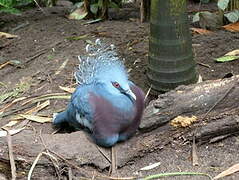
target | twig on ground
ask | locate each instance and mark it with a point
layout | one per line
(54, 132)
(16, 110)
(103, 153)
(33, 166)
(93, 177)
(147, 94)
(70, 173)
(52, 158)
(205, 65)
(54, 162)
(11, 157)
(226, 93)
(194, 153)
(63, 65)
(39, 53)
(68, 162)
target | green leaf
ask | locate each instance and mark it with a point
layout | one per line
(196, 17)
(222, 4)
(94, 8)
(10, 10)
(22, 2)
(232, 16)
(6, 3)
(100, 3)
(226, 58)
(113, 5)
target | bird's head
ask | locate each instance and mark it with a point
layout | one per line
(102, 65)
(114, 79)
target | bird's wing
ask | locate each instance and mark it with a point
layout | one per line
(80, 107)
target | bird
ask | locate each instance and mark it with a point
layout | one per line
(105, 101)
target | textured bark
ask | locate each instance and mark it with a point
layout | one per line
(218, 130)
(144, 10)
(195, 99)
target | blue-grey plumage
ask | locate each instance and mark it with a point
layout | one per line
(105, 102)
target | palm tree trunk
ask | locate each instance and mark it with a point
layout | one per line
(171, 61)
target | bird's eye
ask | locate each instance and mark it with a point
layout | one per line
(115, 84)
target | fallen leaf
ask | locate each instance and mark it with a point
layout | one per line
(10, 124)
(200, 31)
(183, 121)
(39, 107)
(233, 27)
(39, 119)
(151, 166)
(11, 132)
(67, 89)
(226, 58)
(62, 67)
(10, 104)
(4, 64)
(229, 171)
(7, 35)
(78, 14)
(48, 96)
(233, 53)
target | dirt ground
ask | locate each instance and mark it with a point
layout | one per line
(43, 45)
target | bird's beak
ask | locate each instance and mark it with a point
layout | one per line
(131, 94)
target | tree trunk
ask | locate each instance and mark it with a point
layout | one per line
(104, 10)
(171, 61)
(144, 10)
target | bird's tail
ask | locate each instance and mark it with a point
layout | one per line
(59, 118)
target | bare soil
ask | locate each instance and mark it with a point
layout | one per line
(43, 45)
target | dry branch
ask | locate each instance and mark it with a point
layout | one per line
(195, 99)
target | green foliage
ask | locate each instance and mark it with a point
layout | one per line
(222, 4)
(96, 9)
(227, 58)
(9, 6)
(230, 9)
(227, 8)
(97, 5)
